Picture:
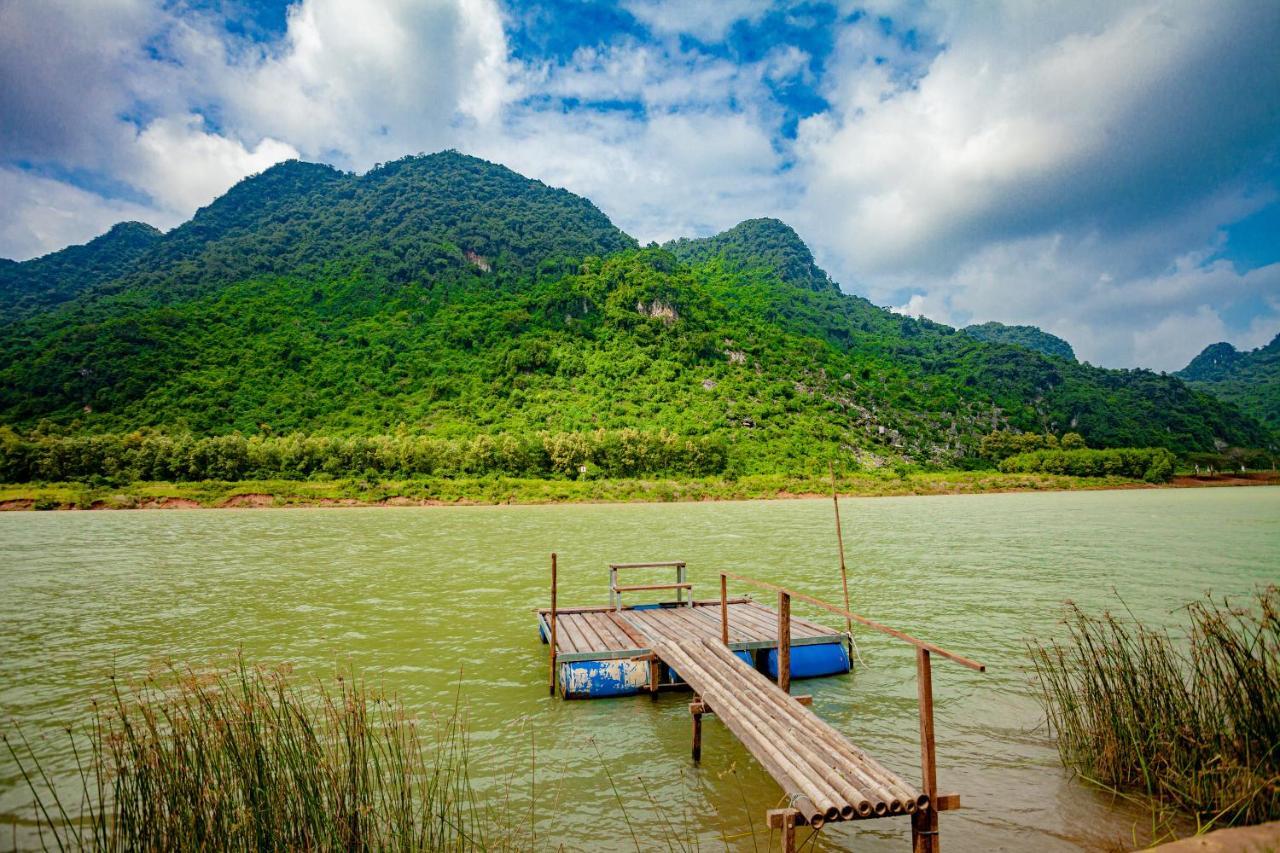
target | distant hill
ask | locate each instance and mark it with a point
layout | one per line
(1251, 379)
(758, 244)
(449, 296)
(1031, 337)
(44, 282)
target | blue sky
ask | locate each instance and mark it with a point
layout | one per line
(1107, 171)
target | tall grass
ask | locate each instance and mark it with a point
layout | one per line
(242, 759)
(1193, 720)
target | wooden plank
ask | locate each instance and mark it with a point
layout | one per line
(946, 802)
(746, 627)
(607, 627)
(594, 641)
(713, 623)
(620, 622)
(573, 634)
(670, 565)
(646, 586)
(800, 628)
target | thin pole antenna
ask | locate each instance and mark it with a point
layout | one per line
(844, 572)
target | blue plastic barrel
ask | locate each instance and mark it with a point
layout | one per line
(811, 661)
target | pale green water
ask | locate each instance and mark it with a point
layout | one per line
(410, 596)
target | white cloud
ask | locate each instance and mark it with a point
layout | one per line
(1071, 165)
(182, 167)
(40, 214)
(365, 81)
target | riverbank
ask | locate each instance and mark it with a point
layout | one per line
(245, 494)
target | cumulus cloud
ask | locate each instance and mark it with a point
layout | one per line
(40, 214)
(1071, 165)
(157, 104)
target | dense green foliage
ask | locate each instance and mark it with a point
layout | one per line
(125, 458)
(1002, 444)
(1192, 719)
(1251, 379)
(758, 244)
(44, 282)
(446, 297)
(1153, 464)
(1030, 337)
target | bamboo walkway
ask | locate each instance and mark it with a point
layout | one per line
(825, 777)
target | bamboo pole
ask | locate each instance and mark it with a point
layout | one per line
(735, 716)
(924, 824)
(876, 773)
(724, 609)
(847, 797)
(765, 716)
(552, 677)
(826, 744)
(844, 573)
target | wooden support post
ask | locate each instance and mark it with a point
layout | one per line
(785, 820)
(552, 678)
(724, 609)
(784, 642)
(924, 823)
(697, 729)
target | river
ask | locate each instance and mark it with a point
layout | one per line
(427, 600)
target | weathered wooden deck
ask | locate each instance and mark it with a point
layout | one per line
(603, 633)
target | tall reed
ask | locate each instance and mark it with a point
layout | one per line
(243, 759)
(1193, 720)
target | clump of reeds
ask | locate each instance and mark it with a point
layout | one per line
(242, 759)
(1193, 721)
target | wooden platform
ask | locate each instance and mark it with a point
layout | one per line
(601, 633)
(825, 776)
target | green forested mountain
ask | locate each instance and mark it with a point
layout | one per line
(1031, 337)
(1250, 379)
(755, 244)
(446, 296)
(39, 284)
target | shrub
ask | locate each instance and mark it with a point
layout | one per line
(1153, 464)
(1194, 723)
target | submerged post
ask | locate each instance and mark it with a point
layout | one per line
(552, 677)
(784, 641)
(924, 822)
(724, 609)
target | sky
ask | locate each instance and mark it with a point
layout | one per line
(1108, 171)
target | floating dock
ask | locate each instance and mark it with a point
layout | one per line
(738, 657)
(608, 651)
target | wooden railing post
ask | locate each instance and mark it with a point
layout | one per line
(552, 679)
(724, 609)
(784, 641)
(924, 823)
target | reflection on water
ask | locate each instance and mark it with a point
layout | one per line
(422, 599)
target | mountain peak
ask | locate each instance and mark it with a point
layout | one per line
(1029, 337)
(759, 243)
